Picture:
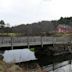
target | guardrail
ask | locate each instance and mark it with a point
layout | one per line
(36, 40)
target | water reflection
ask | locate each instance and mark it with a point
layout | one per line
(18, 55)
(60, 67)
(26, 55)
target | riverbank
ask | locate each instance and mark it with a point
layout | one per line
(22, 67)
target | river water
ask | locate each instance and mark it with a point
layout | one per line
(18, 55)
(59, 67)
(22, 55)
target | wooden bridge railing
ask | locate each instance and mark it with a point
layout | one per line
(34, 40)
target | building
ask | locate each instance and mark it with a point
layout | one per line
(63, 28)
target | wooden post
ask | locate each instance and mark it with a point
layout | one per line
(53, 59)
(41, 41)
(69, 65)
(53, 67)
(28, 42)
(11, 42)
(2, 38)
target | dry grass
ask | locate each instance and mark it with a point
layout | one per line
(2, 66)
(22, 68)
(14, 68)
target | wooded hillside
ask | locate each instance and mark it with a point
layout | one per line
(39, 28)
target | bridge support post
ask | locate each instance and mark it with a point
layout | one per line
(12, 42)
(2, 40)
(28, 42)
(41, 41)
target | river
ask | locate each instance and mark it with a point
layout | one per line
(18, 55)
(64, 66)
(23, 55)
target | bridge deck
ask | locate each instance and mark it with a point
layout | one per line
(37, 40)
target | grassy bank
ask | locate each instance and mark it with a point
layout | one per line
(23, 67)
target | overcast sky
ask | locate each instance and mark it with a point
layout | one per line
(27, 11)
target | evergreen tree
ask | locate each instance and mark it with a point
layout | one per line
(2, 24)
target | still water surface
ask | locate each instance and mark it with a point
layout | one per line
(18, 55)
(59, 67)
(22, 55)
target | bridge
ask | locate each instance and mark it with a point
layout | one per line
(45, 49)
(28, 41)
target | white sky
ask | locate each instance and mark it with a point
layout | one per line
(27, 11)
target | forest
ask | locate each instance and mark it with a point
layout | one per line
(35, 29)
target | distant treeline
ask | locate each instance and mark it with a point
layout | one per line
(35, 29)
